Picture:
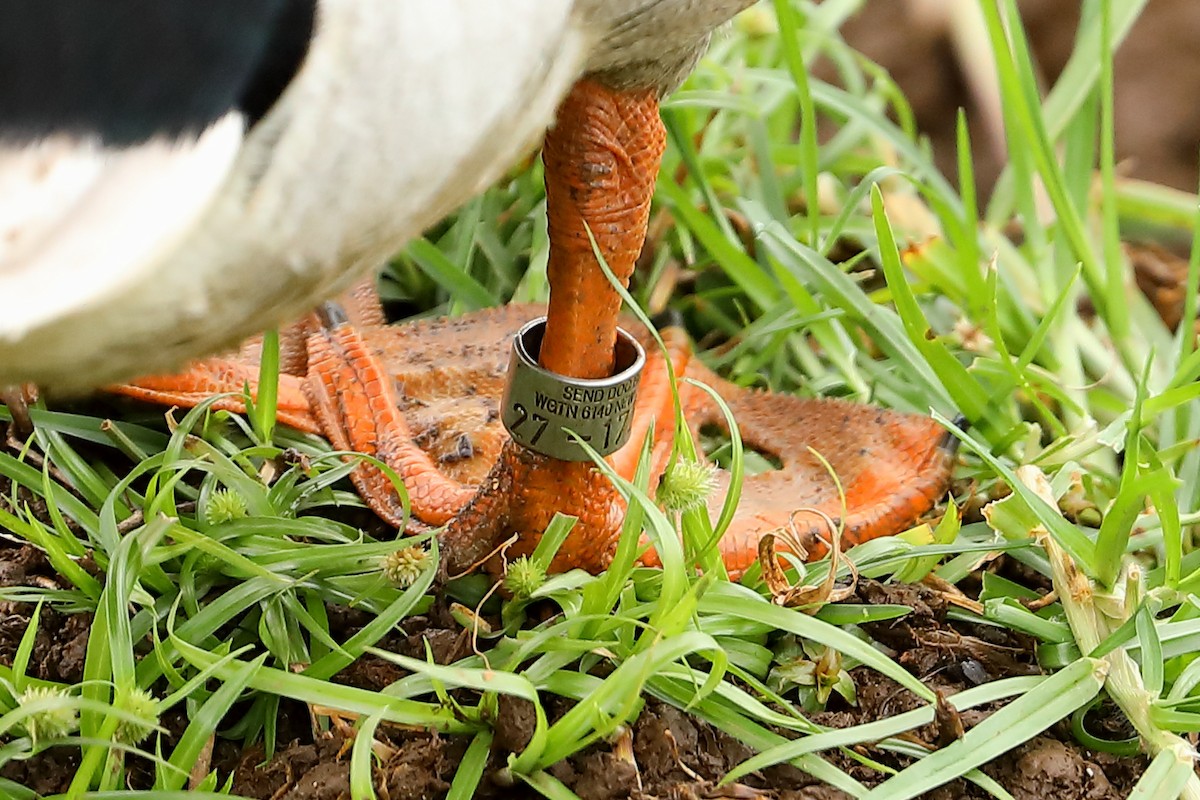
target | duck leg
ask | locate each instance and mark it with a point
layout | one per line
(601, 161)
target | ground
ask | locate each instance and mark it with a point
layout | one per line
(675, 756)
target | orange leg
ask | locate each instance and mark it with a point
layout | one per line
(601, 159)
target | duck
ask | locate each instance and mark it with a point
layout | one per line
(176, 176)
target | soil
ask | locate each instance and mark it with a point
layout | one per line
(674, 755)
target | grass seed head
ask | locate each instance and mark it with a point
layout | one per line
(524, 577)
(686, 485)
(143, 704)
(402, 567)
(52, 723)
(224, 505)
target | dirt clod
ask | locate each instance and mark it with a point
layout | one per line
(1047, 767)
(515, 721)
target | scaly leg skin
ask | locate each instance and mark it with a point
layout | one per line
(601, 161)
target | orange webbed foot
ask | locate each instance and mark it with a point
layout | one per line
(212, 376)
(892, 467)
(351, 394)
(869, 471)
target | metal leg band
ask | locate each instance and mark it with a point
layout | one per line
(540, 406)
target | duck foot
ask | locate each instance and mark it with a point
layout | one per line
(406, 395)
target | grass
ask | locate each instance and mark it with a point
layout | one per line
(211, 581)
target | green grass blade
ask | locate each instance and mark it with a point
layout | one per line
(203, 723)
(471, 768)
(361, 783)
